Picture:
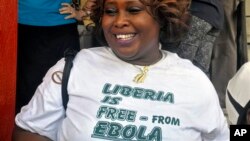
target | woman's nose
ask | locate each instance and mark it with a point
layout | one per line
(121, 20)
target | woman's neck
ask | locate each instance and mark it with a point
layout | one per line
(148, 60)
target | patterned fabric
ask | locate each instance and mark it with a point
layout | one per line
(197, 45)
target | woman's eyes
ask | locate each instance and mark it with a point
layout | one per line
(110, 11)
(131, 10)
(134, 10)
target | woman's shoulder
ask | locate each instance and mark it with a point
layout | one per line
(102, 50)
(186, 69)
(95, 55)
(174, 61)
(191, 79)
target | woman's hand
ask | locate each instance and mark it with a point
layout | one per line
(77, 14)
(71, 11)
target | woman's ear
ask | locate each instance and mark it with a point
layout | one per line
(248, 116)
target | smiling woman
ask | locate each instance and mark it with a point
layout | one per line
(135, 13)
(172, 25)
(129, 89)
(125, 25)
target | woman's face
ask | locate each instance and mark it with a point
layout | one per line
(131, 31)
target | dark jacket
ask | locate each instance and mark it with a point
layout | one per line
(209, 10)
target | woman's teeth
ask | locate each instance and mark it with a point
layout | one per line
(125, 36)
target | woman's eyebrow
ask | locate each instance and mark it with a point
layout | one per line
(127, 2)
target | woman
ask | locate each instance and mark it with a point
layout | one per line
(131, 90)
(85, 27)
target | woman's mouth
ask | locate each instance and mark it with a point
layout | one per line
(125, 39)
(124, 36)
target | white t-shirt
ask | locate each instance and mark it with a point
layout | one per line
(176, 102)
(238, 93)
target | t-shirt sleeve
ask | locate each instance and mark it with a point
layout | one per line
(45, 112)
(214, 122)
(219, 130)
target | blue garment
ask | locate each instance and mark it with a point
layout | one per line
(42, 12)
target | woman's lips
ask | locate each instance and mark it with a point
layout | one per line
(124, 39)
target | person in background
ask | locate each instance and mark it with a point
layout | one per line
(129, 89)
(205, 25)
(238, 96)
(43, 36)
(79, 11)
(230, 50)
(82, 12)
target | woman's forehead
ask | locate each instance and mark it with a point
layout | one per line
(116, 2)
(121, 0)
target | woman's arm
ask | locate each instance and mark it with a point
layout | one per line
(20, 134)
